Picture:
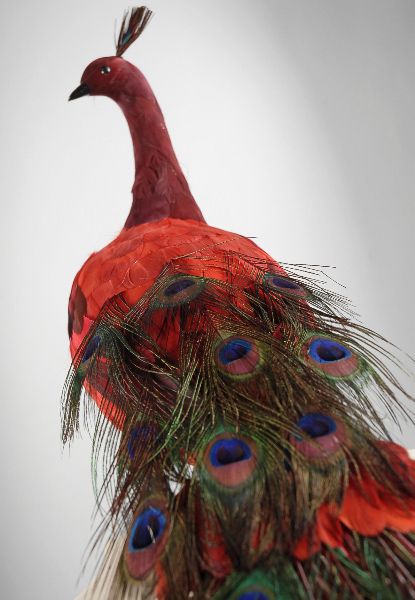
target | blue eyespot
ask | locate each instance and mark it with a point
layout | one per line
(147, 529)
(323, 350)
(228, 451)
(233, 350)
(284, 282)
(178, 286)
(91, 348)
(179, 289)
(142, 436)
(238, 357)
(252, 595)
(316, 425)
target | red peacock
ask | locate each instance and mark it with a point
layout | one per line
(230, 402)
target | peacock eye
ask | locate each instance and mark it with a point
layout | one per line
(105, 69)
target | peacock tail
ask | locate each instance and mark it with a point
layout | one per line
(235, 409)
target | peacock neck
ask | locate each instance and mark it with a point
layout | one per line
(160, 189)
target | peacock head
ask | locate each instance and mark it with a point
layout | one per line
(112, 75)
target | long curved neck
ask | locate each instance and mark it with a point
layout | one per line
(160, 189)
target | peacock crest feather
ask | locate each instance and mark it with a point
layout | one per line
(132, 26)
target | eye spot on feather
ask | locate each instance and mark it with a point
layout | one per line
(141, 438)
(146, 540)
(230, 460)
(324, 350)
(257, 586)
(178, 286)
(330, 357)
(316, 425)
(179, 290)
(328, 436)
(252, 595)
(147, 529)
(234, 350)
(238, 356)
(284, 285)
(226, 452)
(91, 348)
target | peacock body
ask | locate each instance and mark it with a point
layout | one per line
(230, 400)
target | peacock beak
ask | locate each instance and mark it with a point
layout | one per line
(81, 90)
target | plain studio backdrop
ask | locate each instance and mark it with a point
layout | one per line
(294, 123)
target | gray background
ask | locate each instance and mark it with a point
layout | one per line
(293, 121)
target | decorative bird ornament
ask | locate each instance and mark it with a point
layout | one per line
(230, 400)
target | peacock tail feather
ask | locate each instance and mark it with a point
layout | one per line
(233, 422)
